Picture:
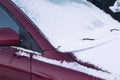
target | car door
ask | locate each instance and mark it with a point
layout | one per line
(13, 67)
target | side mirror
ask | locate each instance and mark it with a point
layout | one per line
(8, 37)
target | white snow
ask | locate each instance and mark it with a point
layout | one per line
(106, 56)
(67, 22)
(116, 6)
(104, 36)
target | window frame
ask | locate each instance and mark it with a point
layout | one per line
(28, 36)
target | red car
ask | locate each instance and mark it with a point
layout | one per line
(26, 54)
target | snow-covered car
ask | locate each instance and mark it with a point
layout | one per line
(57, 40)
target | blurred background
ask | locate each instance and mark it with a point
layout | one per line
(104, 5)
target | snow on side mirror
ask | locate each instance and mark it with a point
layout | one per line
(8, 37)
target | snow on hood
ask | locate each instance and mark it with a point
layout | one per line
(92, 40)
(106, 56)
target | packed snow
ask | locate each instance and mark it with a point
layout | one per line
(78, 27)
(116, 6)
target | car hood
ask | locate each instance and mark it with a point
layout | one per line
(91, 40)
(103, 54)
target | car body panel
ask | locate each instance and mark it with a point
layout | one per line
(13, 67)
(56, 72)
(8, 39)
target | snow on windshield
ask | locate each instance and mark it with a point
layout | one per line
(71, 21)
(64, 21)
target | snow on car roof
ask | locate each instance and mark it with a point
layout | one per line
(77, 26)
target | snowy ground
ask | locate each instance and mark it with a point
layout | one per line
(81, 28)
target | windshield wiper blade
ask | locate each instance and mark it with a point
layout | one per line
(114, 30)
(91, 39)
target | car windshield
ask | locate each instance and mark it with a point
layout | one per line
(66, 21)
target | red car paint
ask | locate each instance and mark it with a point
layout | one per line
(14, 67)
(8, 39)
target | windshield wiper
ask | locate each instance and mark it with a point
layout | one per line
(91, 39)
(114, 30)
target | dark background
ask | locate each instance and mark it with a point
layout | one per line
(104, 5)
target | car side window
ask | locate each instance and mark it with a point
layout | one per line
(7, 20)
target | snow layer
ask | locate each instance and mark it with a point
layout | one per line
(80, 27)
(104, 36)
(106, 57)
(71, 65)
(116, 6)
(67, 21)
